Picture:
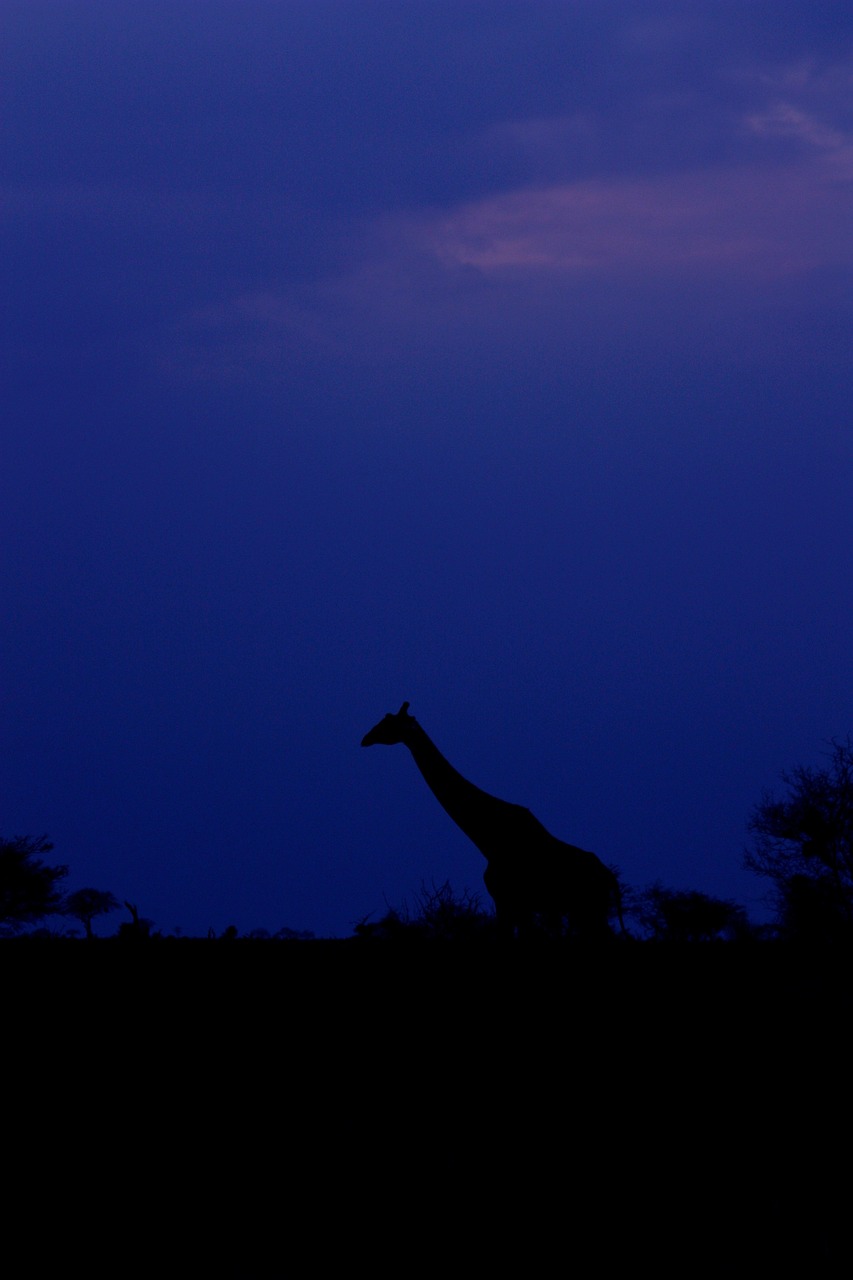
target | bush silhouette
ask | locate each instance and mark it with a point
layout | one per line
(438, 912)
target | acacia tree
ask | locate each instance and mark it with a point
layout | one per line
(803, 843)
(29, 890)
(85, 904)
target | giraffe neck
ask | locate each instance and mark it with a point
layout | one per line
(474, 811)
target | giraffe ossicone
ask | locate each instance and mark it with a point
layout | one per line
(530, 874)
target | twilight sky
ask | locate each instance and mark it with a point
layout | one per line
(491, 354)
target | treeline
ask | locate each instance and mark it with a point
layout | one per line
(800, 842)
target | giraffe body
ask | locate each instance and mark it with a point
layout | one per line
(531, 875)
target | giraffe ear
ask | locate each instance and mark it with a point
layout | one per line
(404, 710)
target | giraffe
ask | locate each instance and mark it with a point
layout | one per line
(530, 873)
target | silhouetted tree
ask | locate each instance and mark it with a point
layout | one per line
(85, 904)
(28, 888)
(803, 843)
(687, 915)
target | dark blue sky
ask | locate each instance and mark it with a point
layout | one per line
(493, 356)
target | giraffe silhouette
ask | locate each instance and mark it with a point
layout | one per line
(530, 873)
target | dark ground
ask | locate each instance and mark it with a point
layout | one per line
(272, 1106)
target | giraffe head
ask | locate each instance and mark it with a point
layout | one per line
(391, 728)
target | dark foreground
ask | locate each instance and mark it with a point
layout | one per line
(259, 1108)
